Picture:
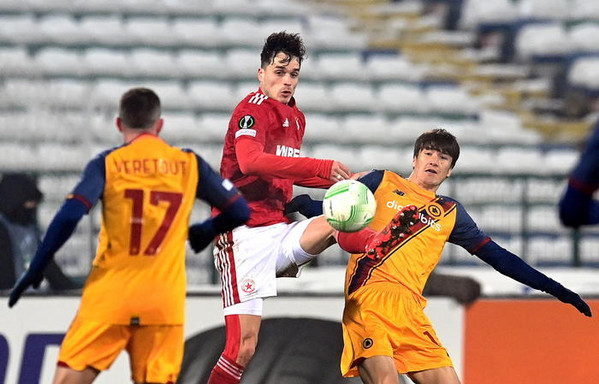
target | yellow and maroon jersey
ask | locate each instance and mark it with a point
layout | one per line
(147, 189)
(441, 220)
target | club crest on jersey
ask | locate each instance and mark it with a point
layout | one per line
(367, 343)
(286, 123)
(434, 210)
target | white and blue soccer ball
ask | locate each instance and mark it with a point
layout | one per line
(349, 206)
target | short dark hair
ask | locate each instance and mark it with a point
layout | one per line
(439, 140)
(290, 44)
(139, 108)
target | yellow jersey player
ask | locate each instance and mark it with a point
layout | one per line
(385, 330)
(134, 296)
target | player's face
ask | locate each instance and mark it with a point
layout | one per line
(430, 168)
(279, 79)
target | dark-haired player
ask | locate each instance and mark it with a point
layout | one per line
(134, 297)
(262, 158)
(385, 329)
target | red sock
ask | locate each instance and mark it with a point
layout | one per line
(355, 242)
(225, 372)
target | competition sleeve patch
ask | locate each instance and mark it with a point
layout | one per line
(428, 217)
(245, 124)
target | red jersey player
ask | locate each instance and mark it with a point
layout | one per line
(261, 156)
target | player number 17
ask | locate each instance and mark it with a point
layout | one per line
(137, 196)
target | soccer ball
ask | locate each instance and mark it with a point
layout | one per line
(349, 206)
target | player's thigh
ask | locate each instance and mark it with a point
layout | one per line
(156, 353)
(90, 344)
(379, 370)
(317, 236)
(443, 375)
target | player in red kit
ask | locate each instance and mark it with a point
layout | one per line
(261, 156)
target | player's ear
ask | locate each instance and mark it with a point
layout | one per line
(119, 124)
(159, 125)
(260, 75)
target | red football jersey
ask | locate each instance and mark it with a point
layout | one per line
(279, 128)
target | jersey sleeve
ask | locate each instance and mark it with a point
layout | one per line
(372, 179)
(466, 233)
(90, 187)
(212, 188)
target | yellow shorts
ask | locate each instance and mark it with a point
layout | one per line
(388, 320)
(155, 351)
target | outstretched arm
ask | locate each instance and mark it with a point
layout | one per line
(512, 266)
(61, 228)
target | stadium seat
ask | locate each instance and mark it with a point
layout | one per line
(20, 29)
(181, 127)
(545, 9)
(200, 64)
(243, 31)
(541, 39)
(450, 100)
(331, 32)
(241, 63)
(401, 98)
(107, 92)
(62, 29)
(193, 32)
(544, 219)
(59, 61)
(352, 97)
(61, 157)
(99, 61)
(346, 154)
(150, 62)
(18, 157)
(381, 157)
(583, 37)
(520, 160)
(150, 31)
(342, 66)
(365, 129)
(172, 94)
(560, 161)
(549, 250)
(15, 60)
(322, 128)
(213, 126)
(475, 159)
(389, 67)
(105, 29)
(584, 73)
(501, 218)
(477, 12)
(314, 97)
(210, 95)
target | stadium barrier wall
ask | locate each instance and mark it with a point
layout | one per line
(31, 332)
(530, 341)
(493, 341)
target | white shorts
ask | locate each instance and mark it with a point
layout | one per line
(250, 259)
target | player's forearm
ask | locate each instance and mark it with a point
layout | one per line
(512, 266)
(253, 161)
(60, 229)
(314, 182)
